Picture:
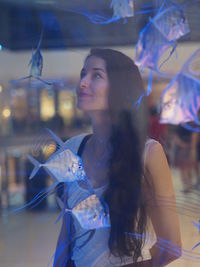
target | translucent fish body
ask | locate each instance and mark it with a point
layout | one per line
(36, 64)
(171, 22)
(192, 66)
(65, 166)
(150, 47)
(90, 213)
(122, 8)
(180, 101)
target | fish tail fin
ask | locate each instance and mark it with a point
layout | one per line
(20, 79)
(36, 164)
(48, 83)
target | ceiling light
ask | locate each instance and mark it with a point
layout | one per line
(6, 113)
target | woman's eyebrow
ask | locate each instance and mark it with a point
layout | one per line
(99, 69)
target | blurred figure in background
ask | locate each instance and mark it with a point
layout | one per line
(56, 123)
(196, 157)
(185, 155)
(157, 131)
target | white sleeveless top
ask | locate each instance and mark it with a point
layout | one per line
(95, 253)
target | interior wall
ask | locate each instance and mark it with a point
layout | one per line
(67, 63)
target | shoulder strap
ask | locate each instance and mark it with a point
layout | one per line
(82, 144)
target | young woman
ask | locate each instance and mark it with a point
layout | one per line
(128, 171)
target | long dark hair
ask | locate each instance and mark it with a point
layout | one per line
(124, 195)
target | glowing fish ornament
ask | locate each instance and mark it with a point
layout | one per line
(160, 34)
(171, 21)
(36, 64)
(122, 8)
(180, 101)
(198, 226)
(98, 11)
(90, 213)
(64, 166)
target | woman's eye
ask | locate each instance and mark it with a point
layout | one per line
(97, 76)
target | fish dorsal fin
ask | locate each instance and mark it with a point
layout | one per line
(74, 142)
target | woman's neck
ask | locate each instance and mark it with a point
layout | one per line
(101, 125)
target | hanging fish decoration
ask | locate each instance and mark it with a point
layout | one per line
(64, 166)
(90, 213)
(150, 47)
(171, 21)
(36, 64)
(98, 11)
(180, 101)
(160, 34)
(198, 227)
(122, 8)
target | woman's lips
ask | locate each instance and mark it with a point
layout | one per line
(83, 95)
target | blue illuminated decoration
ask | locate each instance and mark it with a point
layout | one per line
(198, 226)
(159, 35)
(36, 65)
(62, 166)
(180, 101)
(122, 8)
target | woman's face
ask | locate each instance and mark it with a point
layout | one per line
(93, 86)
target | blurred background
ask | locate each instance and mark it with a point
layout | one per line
(28, 238)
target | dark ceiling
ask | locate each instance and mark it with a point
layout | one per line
(66, 24)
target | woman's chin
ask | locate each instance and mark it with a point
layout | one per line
(83, 106)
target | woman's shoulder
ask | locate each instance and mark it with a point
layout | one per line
(74, 142)
(150, 141)
(152, 150)
(150, 144)
(156, 163)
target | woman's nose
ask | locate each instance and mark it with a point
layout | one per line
(84, 81)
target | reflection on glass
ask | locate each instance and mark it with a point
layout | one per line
(66, 106)
(47, 108)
